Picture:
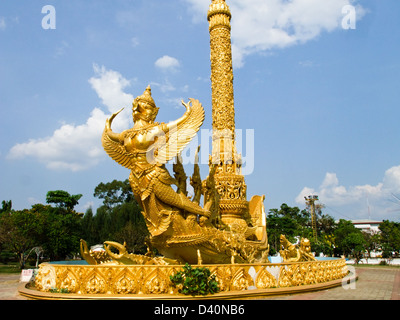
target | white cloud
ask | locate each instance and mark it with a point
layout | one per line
(308, 64)
(62, 49)
(109, 86)
(167, 63)
(78, 147)
(135, 42)
(70, 147)
(87, 205)
(165, 87)
(2, 23)
(357, 198)
(262, 25)
(391, 180)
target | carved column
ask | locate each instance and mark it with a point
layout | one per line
(229, 181)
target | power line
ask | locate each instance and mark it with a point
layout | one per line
(338, 212)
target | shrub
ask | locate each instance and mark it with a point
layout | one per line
(195, 281)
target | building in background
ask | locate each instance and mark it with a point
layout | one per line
(367, 225)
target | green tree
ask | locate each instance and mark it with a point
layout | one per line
(372, 241)
(56, 229)
(289, 221)
(114, 193)
(87, 226)
(325, 225)
(6, 206)
(19, 232)
(63, 199)
(349, 240)
(325, 234)
(134, 235)
(59, 231)
(389, 238)
(118, 219)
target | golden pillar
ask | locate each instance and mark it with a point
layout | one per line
(229, 181)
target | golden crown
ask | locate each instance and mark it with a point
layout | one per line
(146, 97)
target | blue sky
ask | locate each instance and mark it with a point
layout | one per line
(322, 100)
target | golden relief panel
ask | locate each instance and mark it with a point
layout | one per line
(147, 280)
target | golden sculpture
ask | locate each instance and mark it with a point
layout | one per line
(227, 234)
(296, 253)
(145, 149)
(180, 229)
(227, 228)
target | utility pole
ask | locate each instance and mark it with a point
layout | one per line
(310, 202)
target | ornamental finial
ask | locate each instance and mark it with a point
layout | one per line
(146, 97)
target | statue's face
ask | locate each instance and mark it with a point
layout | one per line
(306, 245)
(144, 111)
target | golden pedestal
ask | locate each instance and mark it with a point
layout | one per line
(152, 282)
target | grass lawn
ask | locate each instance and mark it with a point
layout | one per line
(363, 265)
(10, 268)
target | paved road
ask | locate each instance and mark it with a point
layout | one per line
(373, 284)
(9, 287)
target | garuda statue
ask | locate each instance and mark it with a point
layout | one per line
(295, 252)
(180, 229)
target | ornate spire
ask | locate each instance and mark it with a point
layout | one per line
(219, 14)
(146, 97)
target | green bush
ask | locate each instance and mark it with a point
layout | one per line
(195, 281)
(62, 290)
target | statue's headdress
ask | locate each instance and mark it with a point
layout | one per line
(146, 97)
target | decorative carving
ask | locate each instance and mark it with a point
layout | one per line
(46, 278)
(241, 280)
(141, 280)
(295, 253)
(265, 280)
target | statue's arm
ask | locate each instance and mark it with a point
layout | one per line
(117, 137)
(174, 124)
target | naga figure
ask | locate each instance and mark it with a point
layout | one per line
(296, 253)
(180, 229)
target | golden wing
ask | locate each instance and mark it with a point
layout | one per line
(180, 135)
(117, 151)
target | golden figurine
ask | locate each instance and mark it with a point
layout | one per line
(296, 253)
(179, 227)
(145, 149)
